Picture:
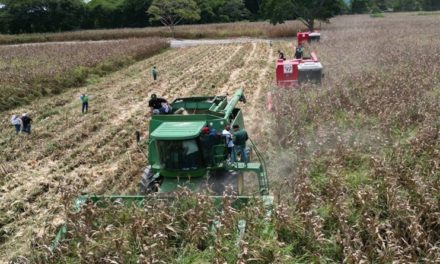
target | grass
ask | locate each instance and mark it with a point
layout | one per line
(225, 30)
(30, 72)
(377, 15)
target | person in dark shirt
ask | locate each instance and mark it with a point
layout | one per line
(154, 73)
(281, 55)
(155, 104)
(240, 138)
(206, 144)
(26, 121)
(299, 51)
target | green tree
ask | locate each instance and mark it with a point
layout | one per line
(26, 16)
(254, 7)
(407, 5)
(208, 10)
(360, 6)
(104, 14)
(133, 13)
(172, 12)
(233, 10)
(430, 5)
(307, 11)
(222, 10)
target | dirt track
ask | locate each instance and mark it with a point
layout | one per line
(96, 152)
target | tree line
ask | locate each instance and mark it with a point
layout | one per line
(366, 6)
(31, 16)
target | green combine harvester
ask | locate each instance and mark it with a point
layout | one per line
(180, 154)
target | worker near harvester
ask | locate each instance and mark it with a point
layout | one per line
(159, 105)
(299, 51)
(85, 103)
(26, 123)
(226, 133)
(240, 138)
(17, 123)
(281, 55)
(154, 73)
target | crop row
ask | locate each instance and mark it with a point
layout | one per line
(32, 71)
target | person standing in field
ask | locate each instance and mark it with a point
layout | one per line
(240, 138)
(158, 105)
(299, 51)
(281, 55)
(85, 103)
(17, 123)
(154, 73)
(226, 133)
(26, 123)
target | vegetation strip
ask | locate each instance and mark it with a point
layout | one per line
(225, 30)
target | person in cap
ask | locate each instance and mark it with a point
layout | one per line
(206, 142)
(17, 123)
(155, 104)
(240, 138)
(26, 123)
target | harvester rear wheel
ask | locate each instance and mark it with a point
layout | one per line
(148, 183)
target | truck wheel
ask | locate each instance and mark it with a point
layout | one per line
(148, 184)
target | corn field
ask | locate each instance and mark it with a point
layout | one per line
(354, 164)
(35, 70)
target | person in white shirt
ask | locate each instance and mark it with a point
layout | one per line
(229, 142)
(16, 122)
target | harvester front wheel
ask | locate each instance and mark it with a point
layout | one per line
(148, 183)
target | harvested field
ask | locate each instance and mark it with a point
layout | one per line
(29, 72)
(97, 153)
(354, 165)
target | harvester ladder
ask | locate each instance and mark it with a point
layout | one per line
(262, 176)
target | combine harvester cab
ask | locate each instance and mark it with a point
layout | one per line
(182, 154)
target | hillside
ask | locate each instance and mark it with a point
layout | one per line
(354, 164)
